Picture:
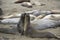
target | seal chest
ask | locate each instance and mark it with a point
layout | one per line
(25, 23)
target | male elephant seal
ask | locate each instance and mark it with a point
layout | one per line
(23, 23)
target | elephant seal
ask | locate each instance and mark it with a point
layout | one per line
(23, 24)
(20, 1)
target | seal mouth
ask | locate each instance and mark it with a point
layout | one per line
(23, 23)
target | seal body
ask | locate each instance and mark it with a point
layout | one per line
(20, 1)
(27, 4)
